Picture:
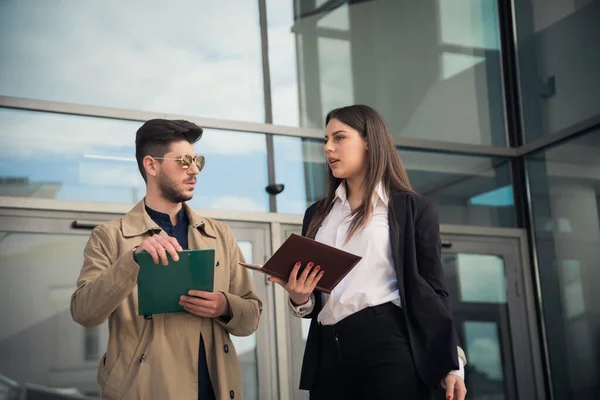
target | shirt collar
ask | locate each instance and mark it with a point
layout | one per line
(137, 222)
(340, 193)
(163, 219)
(380, 192)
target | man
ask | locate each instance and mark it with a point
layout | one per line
(185, 355)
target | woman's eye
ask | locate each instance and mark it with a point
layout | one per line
(338, 138)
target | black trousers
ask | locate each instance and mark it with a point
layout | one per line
(367, 356)
(205, 389)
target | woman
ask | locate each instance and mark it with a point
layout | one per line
(386, 330)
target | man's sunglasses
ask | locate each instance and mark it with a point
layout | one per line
(186, 161)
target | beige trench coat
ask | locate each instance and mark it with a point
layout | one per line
(158, 358)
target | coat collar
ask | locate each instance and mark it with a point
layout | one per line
(137, 222)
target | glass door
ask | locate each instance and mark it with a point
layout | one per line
(486, 281)
(41, 254)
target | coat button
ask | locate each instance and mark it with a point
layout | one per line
(142, 358)
(226, 348)
(232, 395)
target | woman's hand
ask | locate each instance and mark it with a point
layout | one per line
(300, 286)
(455, 387)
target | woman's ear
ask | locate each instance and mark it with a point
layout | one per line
(150, 166)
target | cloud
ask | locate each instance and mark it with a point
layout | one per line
(26, 133)
(222, 142)
(110, 175)
(484, 355)
(191, 58)
(235, 203)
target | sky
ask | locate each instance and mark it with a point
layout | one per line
(191, 58)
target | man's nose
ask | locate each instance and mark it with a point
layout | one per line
(193, 169)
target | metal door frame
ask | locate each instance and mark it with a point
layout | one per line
(266, 353)
(511, 244)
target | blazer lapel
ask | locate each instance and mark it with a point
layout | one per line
(397, 211)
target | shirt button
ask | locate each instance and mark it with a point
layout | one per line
(232, 395)
(226, 348)
(217, 263)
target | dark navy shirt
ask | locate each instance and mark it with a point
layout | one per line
(179, 231)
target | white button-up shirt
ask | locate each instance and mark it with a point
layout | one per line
(373, 280)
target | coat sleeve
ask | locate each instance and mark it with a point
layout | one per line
(103, 284)
(429, 257)
(244, 303)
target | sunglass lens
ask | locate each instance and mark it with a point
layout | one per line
(200, 161)
(186, 161)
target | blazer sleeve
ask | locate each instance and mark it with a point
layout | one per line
(429, 256)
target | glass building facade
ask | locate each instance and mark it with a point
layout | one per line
(494, 106)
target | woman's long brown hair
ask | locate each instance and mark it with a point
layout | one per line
(383, 165)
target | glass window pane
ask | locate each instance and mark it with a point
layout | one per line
(433, 69)
(467, 190)
(565, 191)
(299, 164)
(559, 59)
(235, 175)
(335, 73)
(481, 278)
(40, 343)
(64, 157)
(182, 58)
(483, 347)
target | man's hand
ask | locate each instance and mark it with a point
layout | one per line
(455, 387)
(158, 246)
(205, 304)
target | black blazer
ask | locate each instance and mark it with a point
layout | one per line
(416, 250)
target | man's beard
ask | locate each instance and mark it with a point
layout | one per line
(168, 190)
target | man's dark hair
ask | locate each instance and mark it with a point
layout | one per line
(154, 138)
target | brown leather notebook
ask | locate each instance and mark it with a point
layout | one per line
(335, 262)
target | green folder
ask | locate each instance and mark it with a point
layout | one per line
(159, 286)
